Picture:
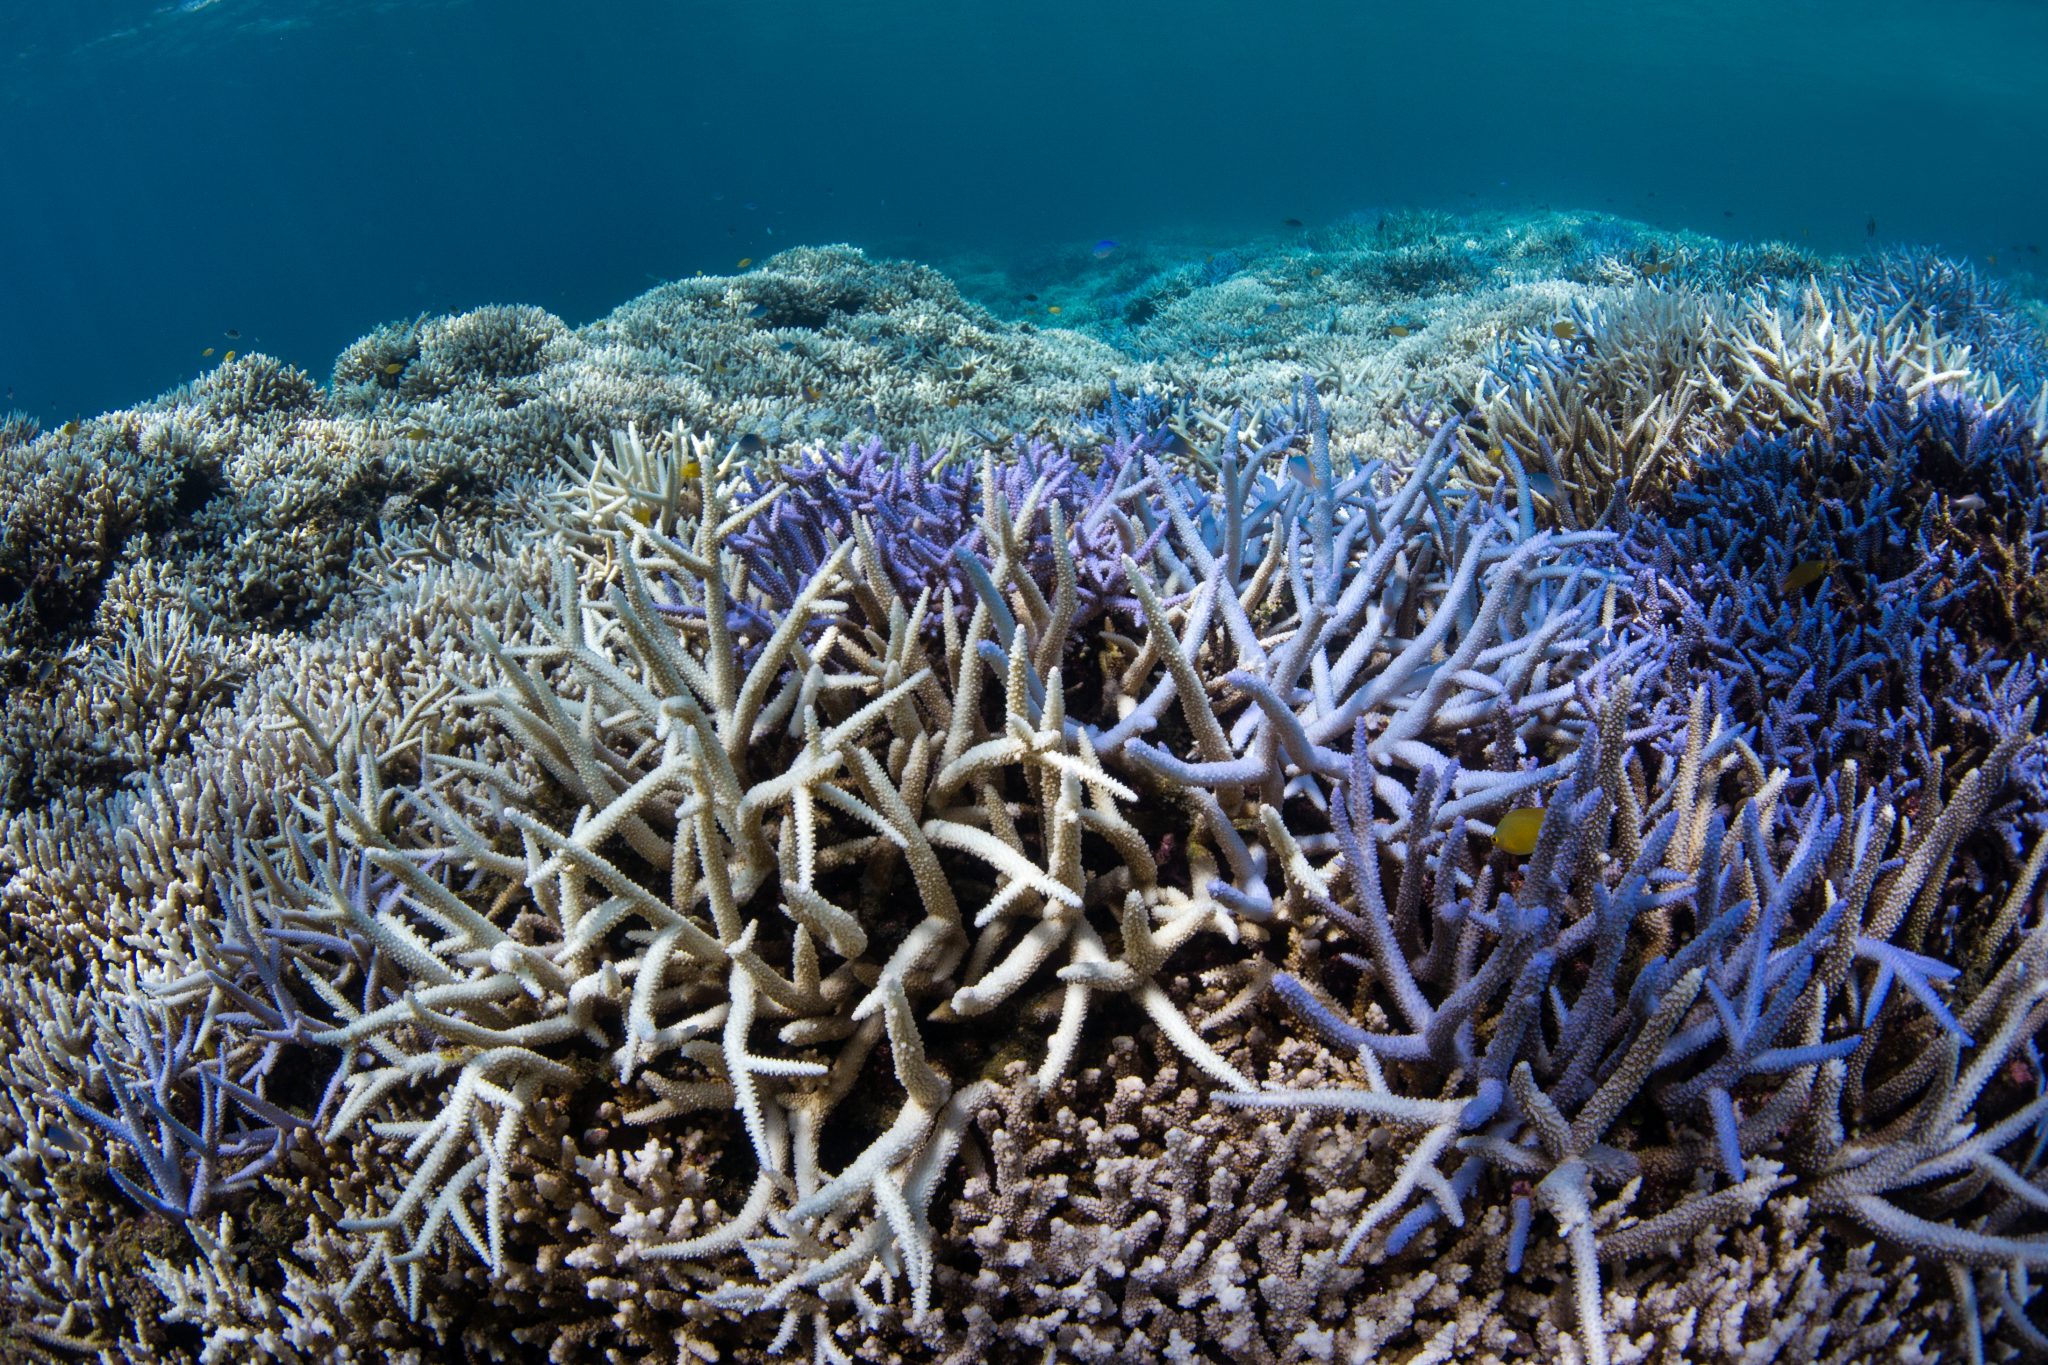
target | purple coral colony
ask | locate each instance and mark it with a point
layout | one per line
(1500, 815)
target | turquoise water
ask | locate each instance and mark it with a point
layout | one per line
(297, 173)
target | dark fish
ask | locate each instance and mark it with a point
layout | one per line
(1031, 298)
(750, 444)
(1291, 222)
(1804, 574)
(1870, 228)
(1727, 213)
(759, 310)
(232, 335)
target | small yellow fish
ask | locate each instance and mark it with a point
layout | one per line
(1399, 329)
(418, 434)
(745, 261)
(1301, 471)
(1053, 309)
(953, 400)
(228, 359)
(691, 469)
(812, 393)
(1314, 271)
(1564, 329)
(205, 353)
(394, 367)
(1804, 573)
(1495, 453)
(70, 428)
(1516, 833)
(1992, 260)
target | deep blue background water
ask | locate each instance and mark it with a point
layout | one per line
(300, 172)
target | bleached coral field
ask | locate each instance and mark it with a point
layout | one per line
(1435, 789)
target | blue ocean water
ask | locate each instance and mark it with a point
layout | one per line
(297, 172)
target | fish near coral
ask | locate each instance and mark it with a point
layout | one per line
(1804, 574)
(1517, 831)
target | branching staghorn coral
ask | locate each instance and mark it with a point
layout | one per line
(496, 940)
(390, 991)
(658, 716)
(1624, 395)
(1648, 949)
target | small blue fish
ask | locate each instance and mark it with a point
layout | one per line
(758, 310)
(1301, 471)
(1103, 249)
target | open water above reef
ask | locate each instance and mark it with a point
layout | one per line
(1556, 880)
(296, 173)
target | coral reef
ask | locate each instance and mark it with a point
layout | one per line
(803, 819)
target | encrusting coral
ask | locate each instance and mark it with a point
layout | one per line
(1171, 885)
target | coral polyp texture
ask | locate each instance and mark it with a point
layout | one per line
(1448, 790)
